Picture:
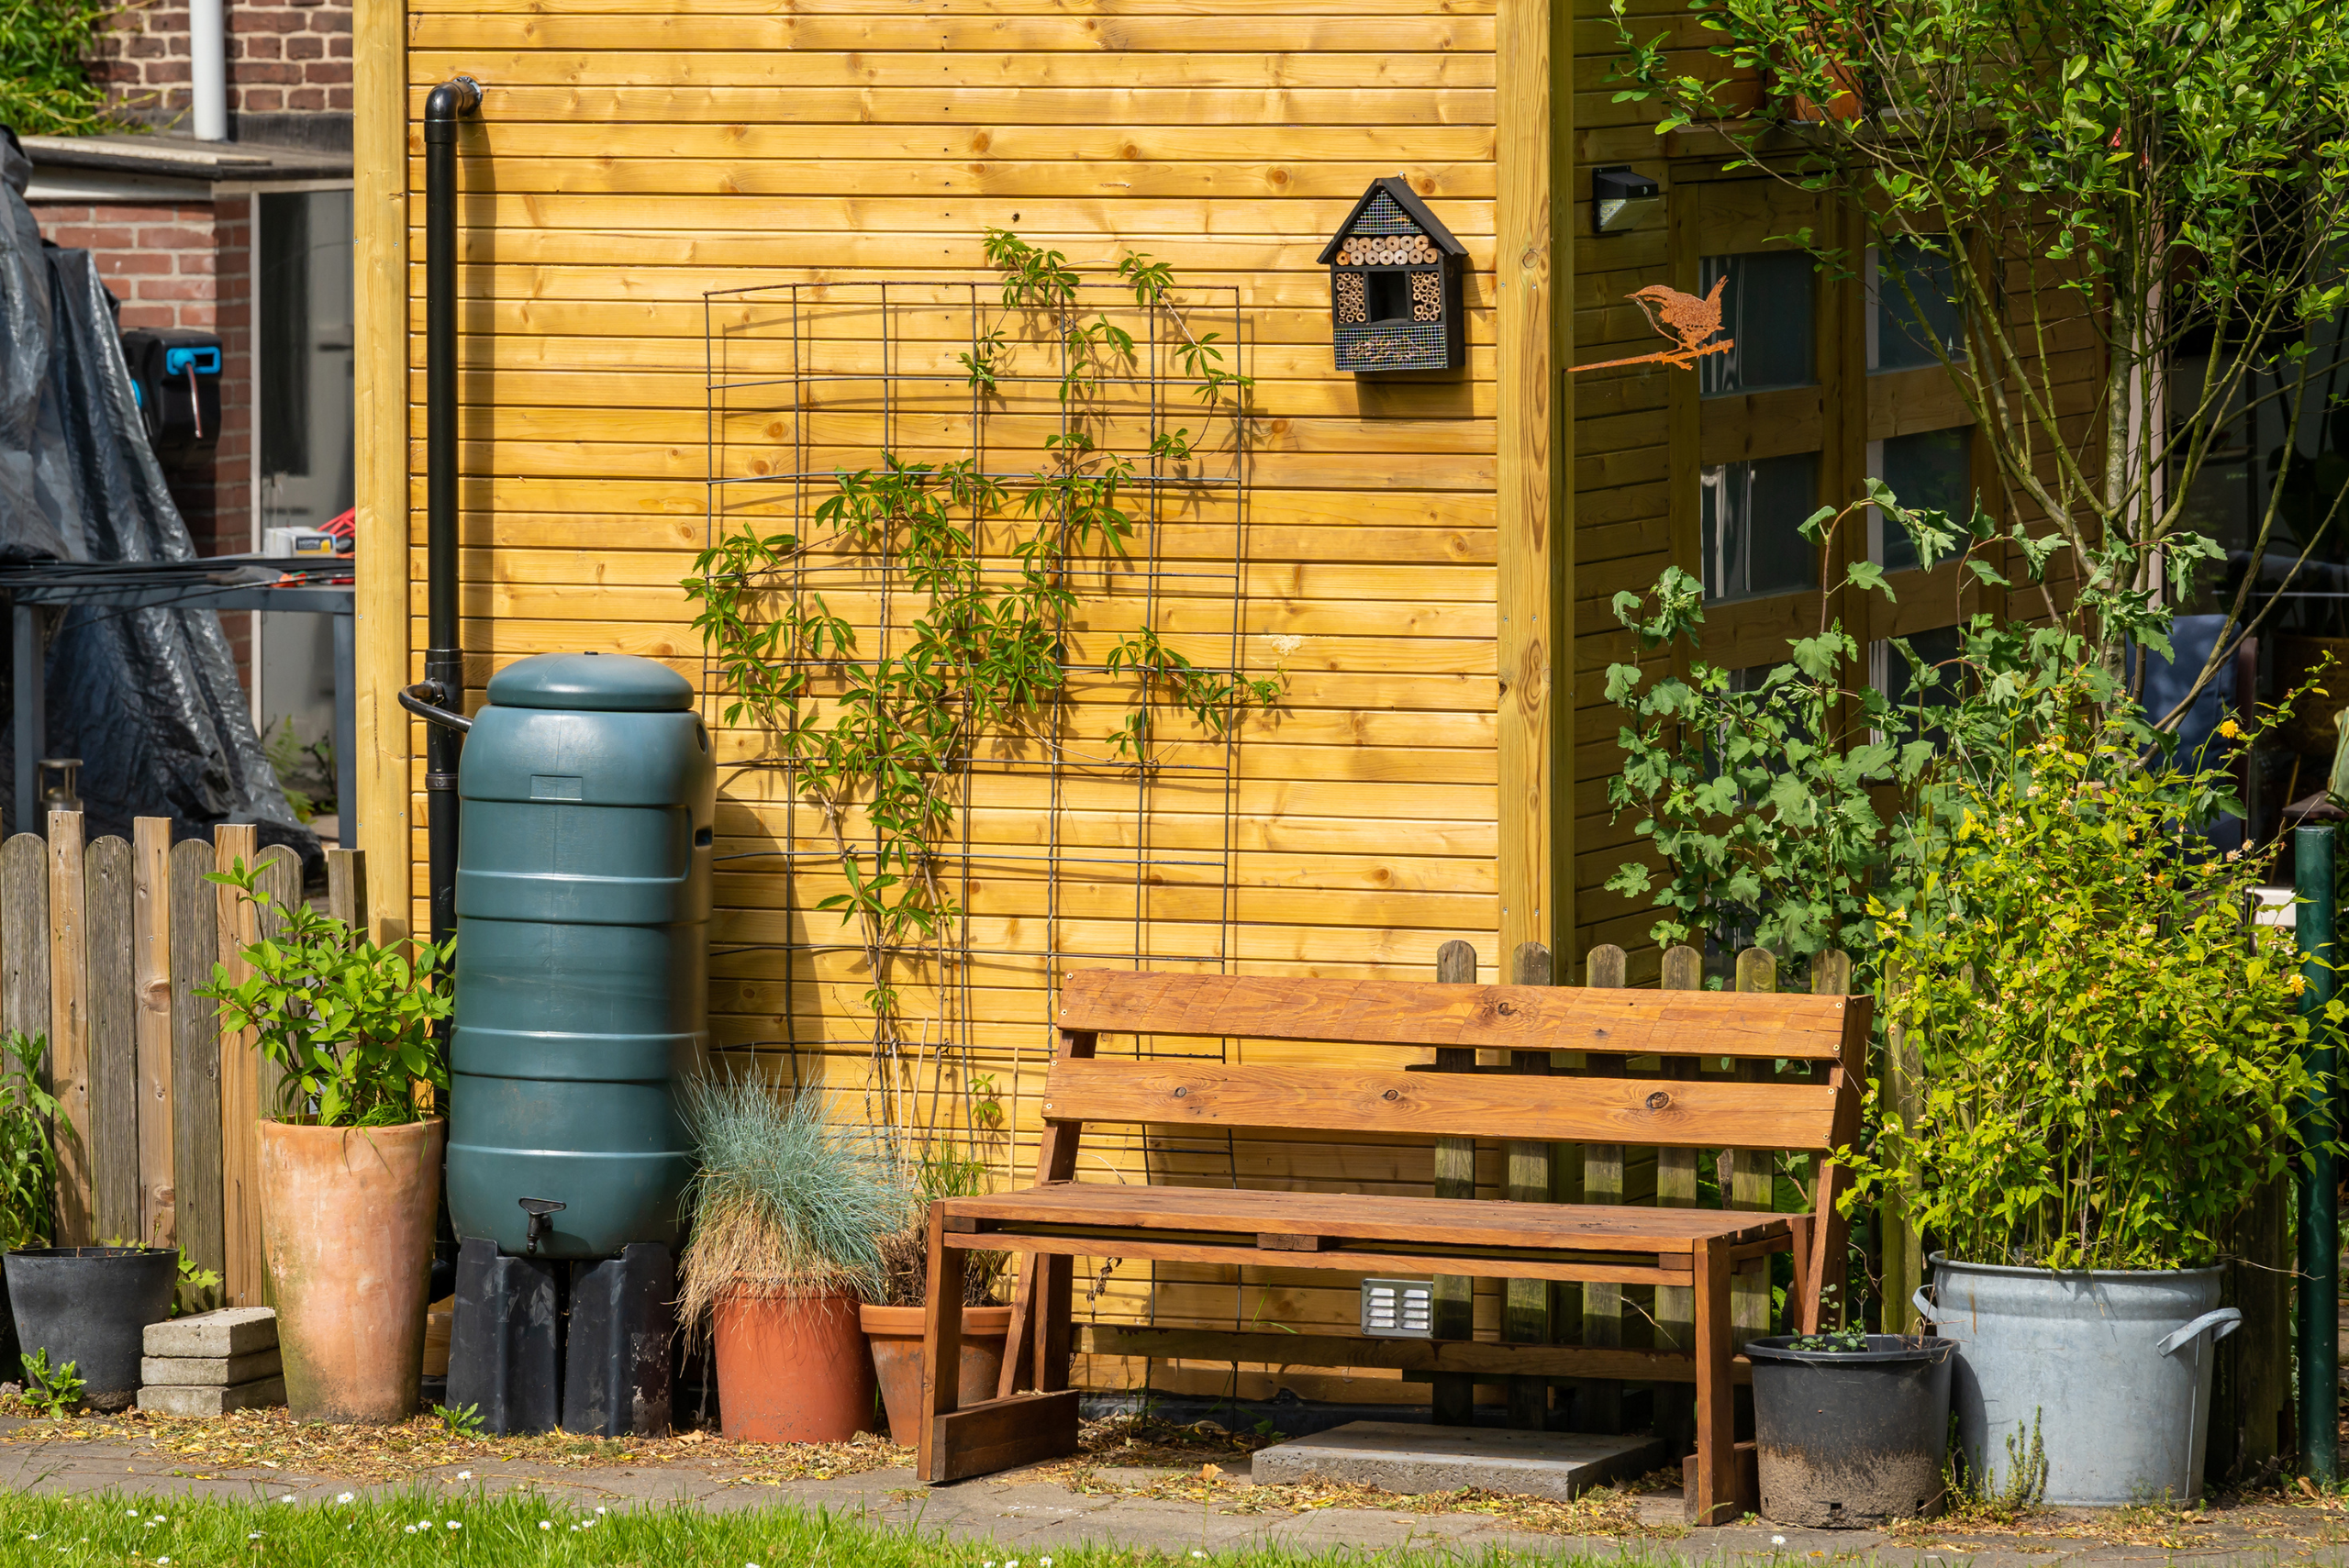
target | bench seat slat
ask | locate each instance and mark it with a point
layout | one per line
(1488, 1017)
(1675, 1114)
(1348, 1217)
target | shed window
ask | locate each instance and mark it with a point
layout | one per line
(1766, 311)
(1912, 304)
(1752, 514)
(1932, 470)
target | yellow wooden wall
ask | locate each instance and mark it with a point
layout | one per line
(631, 154)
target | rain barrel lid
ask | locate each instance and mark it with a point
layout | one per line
(598, 683)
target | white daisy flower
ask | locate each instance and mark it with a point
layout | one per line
(454, 1525)
(546, 1524)
(465, 1475)
(1777, 1540)
(407, 1529)
(344, 1496)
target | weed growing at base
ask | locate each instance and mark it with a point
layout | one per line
(416, 1526)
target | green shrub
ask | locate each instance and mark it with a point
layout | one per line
(45, 86)
(2109, 1049)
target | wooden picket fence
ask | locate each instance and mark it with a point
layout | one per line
(103, 945)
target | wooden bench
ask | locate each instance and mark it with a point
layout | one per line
(1059, 1219)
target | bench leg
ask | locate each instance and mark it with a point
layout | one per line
(942, 1344)
(1020, 1346)
(1802, 1310)
(1053, 1338)
(1716, 1497)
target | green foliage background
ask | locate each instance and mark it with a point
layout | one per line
(45, 86)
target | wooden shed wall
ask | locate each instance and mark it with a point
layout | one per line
(631, 154)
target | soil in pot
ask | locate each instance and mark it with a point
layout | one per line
(896, 1333)
(347, 1218)
(1851, 1439)
(91, 1306)
(792, 1369)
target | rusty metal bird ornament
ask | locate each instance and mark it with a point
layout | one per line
(1693, 321)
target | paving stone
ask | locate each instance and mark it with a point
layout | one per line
(203, 1402)
(212, 1370)
(1406, 1456)
(231, 1331)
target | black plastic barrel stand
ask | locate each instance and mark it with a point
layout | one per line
(505, 1345)
(616, 1377)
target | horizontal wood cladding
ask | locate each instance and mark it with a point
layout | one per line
(632, 155)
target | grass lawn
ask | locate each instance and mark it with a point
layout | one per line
(416, 1529)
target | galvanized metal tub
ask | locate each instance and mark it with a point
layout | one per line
(2110, 1368)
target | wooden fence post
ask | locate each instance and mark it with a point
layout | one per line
(1455, 1306)
(109, 911)
(240, 1082)
(196, 1061)
(1599, 1401)
(68, 1025)
(1675, 1187)
(1526, 1317)
(150, 839)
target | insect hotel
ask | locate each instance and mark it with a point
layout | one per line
(1395, 285)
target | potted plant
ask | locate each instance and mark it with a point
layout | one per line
(76, 1314)
(2109, 1055)
(893, 1324)
(789, 1214)
(350, 1161)
(1851, 1429)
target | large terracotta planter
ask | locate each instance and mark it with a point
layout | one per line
(792, 1369)
(346, 1218)
(896, 1333)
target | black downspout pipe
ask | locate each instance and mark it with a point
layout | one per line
(441, 698)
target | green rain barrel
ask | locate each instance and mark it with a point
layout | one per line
(582, 965)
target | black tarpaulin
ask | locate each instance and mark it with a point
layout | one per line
(148, 698)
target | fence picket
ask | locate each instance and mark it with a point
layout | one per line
(150, 845)
(1526, 1310)
(68, 1025)
(1599, 1401)
(24, 941)
(1454, 1313)
(109, 907)
(1745, 1172)
(234, 843)
(195, 1059)
(1675, 1187)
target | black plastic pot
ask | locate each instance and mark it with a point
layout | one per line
(91, 1306)
(1852, 1439)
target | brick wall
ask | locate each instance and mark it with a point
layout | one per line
(289, 68)
(187, 264)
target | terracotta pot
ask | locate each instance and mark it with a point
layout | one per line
(792, 1369)
(896, 1333)
(345, 1220)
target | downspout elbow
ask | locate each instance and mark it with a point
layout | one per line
(444, 104)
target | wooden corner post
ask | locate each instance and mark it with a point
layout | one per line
(1533, 284)
(380, 368)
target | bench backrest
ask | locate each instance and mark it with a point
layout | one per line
(1814, 1115)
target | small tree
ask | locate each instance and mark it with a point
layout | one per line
(2165, 183)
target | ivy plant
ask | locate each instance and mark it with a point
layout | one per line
(876, 738)
(350, 1025)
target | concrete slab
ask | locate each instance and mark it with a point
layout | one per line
(214, 1371)
(231, 1331)
(203, 1402)
(1405, 1456)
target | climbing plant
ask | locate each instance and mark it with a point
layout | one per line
(991, 561)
